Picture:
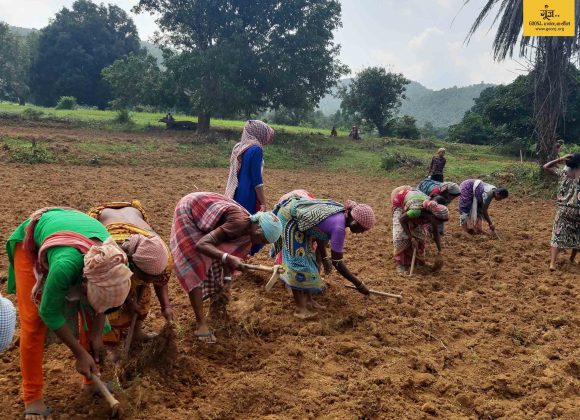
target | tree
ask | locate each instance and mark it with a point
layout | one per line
(551, 57)
(375, 96)
(238, 56)
(13, 66)
(135, 80)
(75, 47)
(405, 127)
(473, 129)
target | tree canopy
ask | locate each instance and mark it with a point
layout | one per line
(74, 48)
(237, 56)
(374, 95)
(14, 64)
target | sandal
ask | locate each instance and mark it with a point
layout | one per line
(44, 414)
(207, 338)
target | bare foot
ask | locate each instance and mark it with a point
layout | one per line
(37, 410)
(305, 314)
(552, 267)
(315, 305)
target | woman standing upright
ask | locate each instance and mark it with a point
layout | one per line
(437, 165)
(566, 231)
(245, 184)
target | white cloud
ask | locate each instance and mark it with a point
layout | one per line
(427, 36)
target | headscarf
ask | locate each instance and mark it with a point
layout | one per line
(451, 187)
(107, 274)
(256, 133)
(441, 150)
(270, 224)
(438, 210)
(362, 213)
(149, 254)
(414, 209)
(7, 322)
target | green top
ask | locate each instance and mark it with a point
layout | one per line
(65, 264)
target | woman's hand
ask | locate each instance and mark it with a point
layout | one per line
(235, 263)
(167, 313)
(86, 365)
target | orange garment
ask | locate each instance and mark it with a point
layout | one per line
(32, 329)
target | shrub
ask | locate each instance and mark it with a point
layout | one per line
(32, 114)
(66, 102)
(32, 156)
(123, 117)
(396, 160)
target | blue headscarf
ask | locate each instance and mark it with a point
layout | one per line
(270, 224)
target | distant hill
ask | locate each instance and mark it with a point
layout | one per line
(151, 48)
(441, 107)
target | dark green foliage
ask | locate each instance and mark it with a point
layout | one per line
(405, 127)
(135, 80)
(240, 57)
(14, 63)
(66, 102)
(503, 116)
(75, 47)
(375, 96)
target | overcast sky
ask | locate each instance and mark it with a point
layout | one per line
(423, 39)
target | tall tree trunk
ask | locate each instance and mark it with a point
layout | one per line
(203, 120)
(550, 75)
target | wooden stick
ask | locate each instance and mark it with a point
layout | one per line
(131, 331)
(376, 292)
(113, 403)
(413, 261)
(264, 268)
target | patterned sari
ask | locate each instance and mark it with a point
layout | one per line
(566, 230)
(299, 217)
(402, 199)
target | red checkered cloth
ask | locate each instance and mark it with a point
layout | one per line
(195, 216)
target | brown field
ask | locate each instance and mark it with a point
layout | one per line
(493, 335)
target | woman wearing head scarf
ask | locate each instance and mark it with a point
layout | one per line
(566, 230)
(149, 260)
(210, 236)
(305, 220)
(474, 201)
(62, 262)
(413, 213)
(245, 184)
(437, 165)
(442, 192)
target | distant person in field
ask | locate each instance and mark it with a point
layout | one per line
(67, 273)
(245, 184)
(413, 213)
(149, 260)
(558, 147)
(354, 133)
(474, 201)
(437, 166)
(7, 322)
(304, 221)
(210, 236)
(566, 230)
(333, 132)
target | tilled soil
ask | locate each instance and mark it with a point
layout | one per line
(492, 335)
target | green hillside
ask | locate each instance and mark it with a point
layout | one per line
(441, 107)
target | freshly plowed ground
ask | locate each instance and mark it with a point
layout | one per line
(494, 334)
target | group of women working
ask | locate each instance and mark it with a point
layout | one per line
(70, 270)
